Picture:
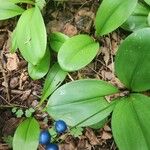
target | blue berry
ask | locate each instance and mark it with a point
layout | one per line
(45, 137)
(52, 147)
(60, 126)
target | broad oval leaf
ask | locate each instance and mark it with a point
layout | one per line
(56, 40)
(139, 18)
(14, 45)
(130, 123)
(132, 61)
(147, 1)
(53, 80)
(82, 102)
(112, 14)
(39, 70)
(31, 35)
(22, 1)
(9, 10)
(77, 52)
(27, 135)
(40, 3)
(100, 124)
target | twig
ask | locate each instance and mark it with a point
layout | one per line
(70, 77)
(5, 78)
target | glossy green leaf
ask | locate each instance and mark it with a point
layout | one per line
(31, 35)
(53, 80)
(130, 123)
(22, 1)
(9, 10)
(77, 52)
(39, 70)
(147, 1)
(27, 135)
(148, 18)
(139, 18)
(76, 132)
(112, 14)
(82, 102)
(132, 61)
(56, 40)
(99, 125)
(14, 45)
(40, 3)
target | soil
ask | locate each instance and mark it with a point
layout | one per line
(18, 90)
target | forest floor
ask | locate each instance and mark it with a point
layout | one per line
(18, 90)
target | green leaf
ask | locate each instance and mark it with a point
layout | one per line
(148, 18)
(9, 10)
(31, 35)
(14, 45)
(112, 14)
(22, 1)
(40, 70)
(76, 132)
(19, 113)
(100, 124)
(82, 102)
(138, 19)
(14, 109)
(56, 40)
(27, 135)
(147, 1)
(28, 113)
(53, 132)
(53, 80)
(40, 3)
(130, 123)
(132, 61)
(77, 52)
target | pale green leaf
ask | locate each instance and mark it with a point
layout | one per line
(27, 135)
(82, 102)
(56, 40)
(31, 35)
(9, 10)
(22, 1)
(14, 45)
(39, 70)
(132, 61)
(77, 52)
(53, 80)
(139, 18)
(40, 3)
(99, 125)
(130, 123)
(112, 14)
(147, 1)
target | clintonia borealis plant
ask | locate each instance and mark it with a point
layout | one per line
(82, 103)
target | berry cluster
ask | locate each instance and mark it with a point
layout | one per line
(45, 137)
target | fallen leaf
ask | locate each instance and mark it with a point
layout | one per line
(106, 135)
(70, 30)
(12, 61)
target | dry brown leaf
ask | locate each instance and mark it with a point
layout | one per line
(107, 128)
(105, 52)
(14, 82)
(25, 95)
(106, 135)
(70, 30)
(12, 61)
(91, 136)
(10, 126)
